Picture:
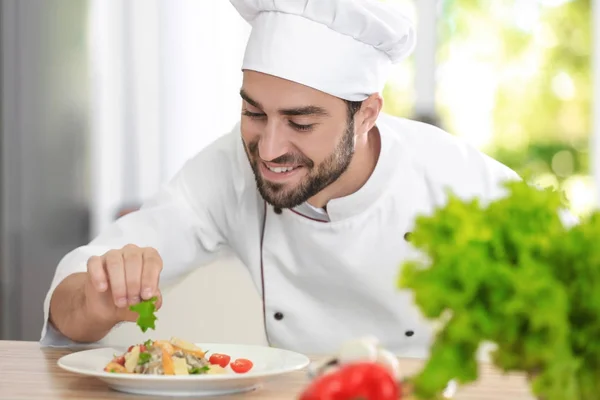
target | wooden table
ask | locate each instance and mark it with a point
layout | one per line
(30, 372)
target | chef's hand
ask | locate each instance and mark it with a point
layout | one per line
(121, 278)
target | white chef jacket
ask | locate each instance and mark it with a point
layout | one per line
(324, 277)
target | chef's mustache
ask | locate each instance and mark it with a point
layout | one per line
(287, 158)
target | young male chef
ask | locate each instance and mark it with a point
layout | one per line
(316, 191)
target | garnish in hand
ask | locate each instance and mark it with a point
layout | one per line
(146, 318)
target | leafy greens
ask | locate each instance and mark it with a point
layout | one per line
(515, 274)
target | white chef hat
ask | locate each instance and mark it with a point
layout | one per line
(342, 47)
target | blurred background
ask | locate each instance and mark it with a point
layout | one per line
(104, 100)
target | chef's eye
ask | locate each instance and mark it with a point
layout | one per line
(300, 127)
(253, 114)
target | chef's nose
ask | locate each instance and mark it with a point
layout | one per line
(272, 142)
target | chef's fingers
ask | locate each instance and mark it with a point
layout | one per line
(132, 257)
(150, 272)
(159, 300)
(95, 270)
(113, 260)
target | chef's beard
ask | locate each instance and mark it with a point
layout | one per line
(318, 177)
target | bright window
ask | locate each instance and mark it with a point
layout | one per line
(514, 78)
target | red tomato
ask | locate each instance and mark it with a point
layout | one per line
(358, 380)
(219, 359)
(142, 348)
(241, 365)
(120, 360)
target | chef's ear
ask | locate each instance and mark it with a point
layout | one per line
(369, 112)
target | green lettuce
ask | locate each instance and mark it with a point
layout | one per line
(512, 273)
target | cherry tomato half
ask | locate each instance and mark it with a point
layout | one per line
(241, 365)
(219, 359)
(120, 360)
(142, 348)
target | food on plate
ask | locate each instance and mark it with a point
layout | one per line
(174, 357)
(219, 359)
(241, 365)
(355, 380)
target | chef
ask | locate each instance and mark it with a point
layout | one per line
(316, 190)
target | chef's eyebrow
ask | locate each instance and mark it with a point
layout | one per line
(292, 112)
(249, 99)
(308, 110)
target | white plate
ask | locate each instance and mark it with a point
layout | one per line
(268, 363)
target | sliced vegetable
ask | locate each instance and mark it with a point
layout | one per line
(163, 344)
(167, 363)
(219, 359)
(241, 365)
(360, 380)
(180, 366)
(187, 347)
(131, 359)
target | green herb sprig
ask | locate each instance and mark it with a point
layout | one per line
(146, 310)
(144, 358)
(199, 370)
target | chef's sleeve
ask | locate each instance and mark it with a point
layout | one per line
(186, 231)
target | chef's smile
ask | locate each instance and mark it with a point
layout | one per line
(300, 141)
(278, 173)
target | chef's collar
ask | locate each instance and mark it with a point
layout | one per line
(358, 202)
(312, 212)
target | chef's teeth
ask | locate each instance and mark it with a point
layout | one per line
(280, 169)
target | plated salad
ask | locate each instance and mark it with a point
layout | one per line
(170, 357)
(174, 357)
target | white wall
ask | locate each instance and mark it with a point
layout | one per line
(166, 77)
(202, 46)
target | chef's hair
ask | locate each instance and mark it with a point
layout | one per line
(353, 107)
